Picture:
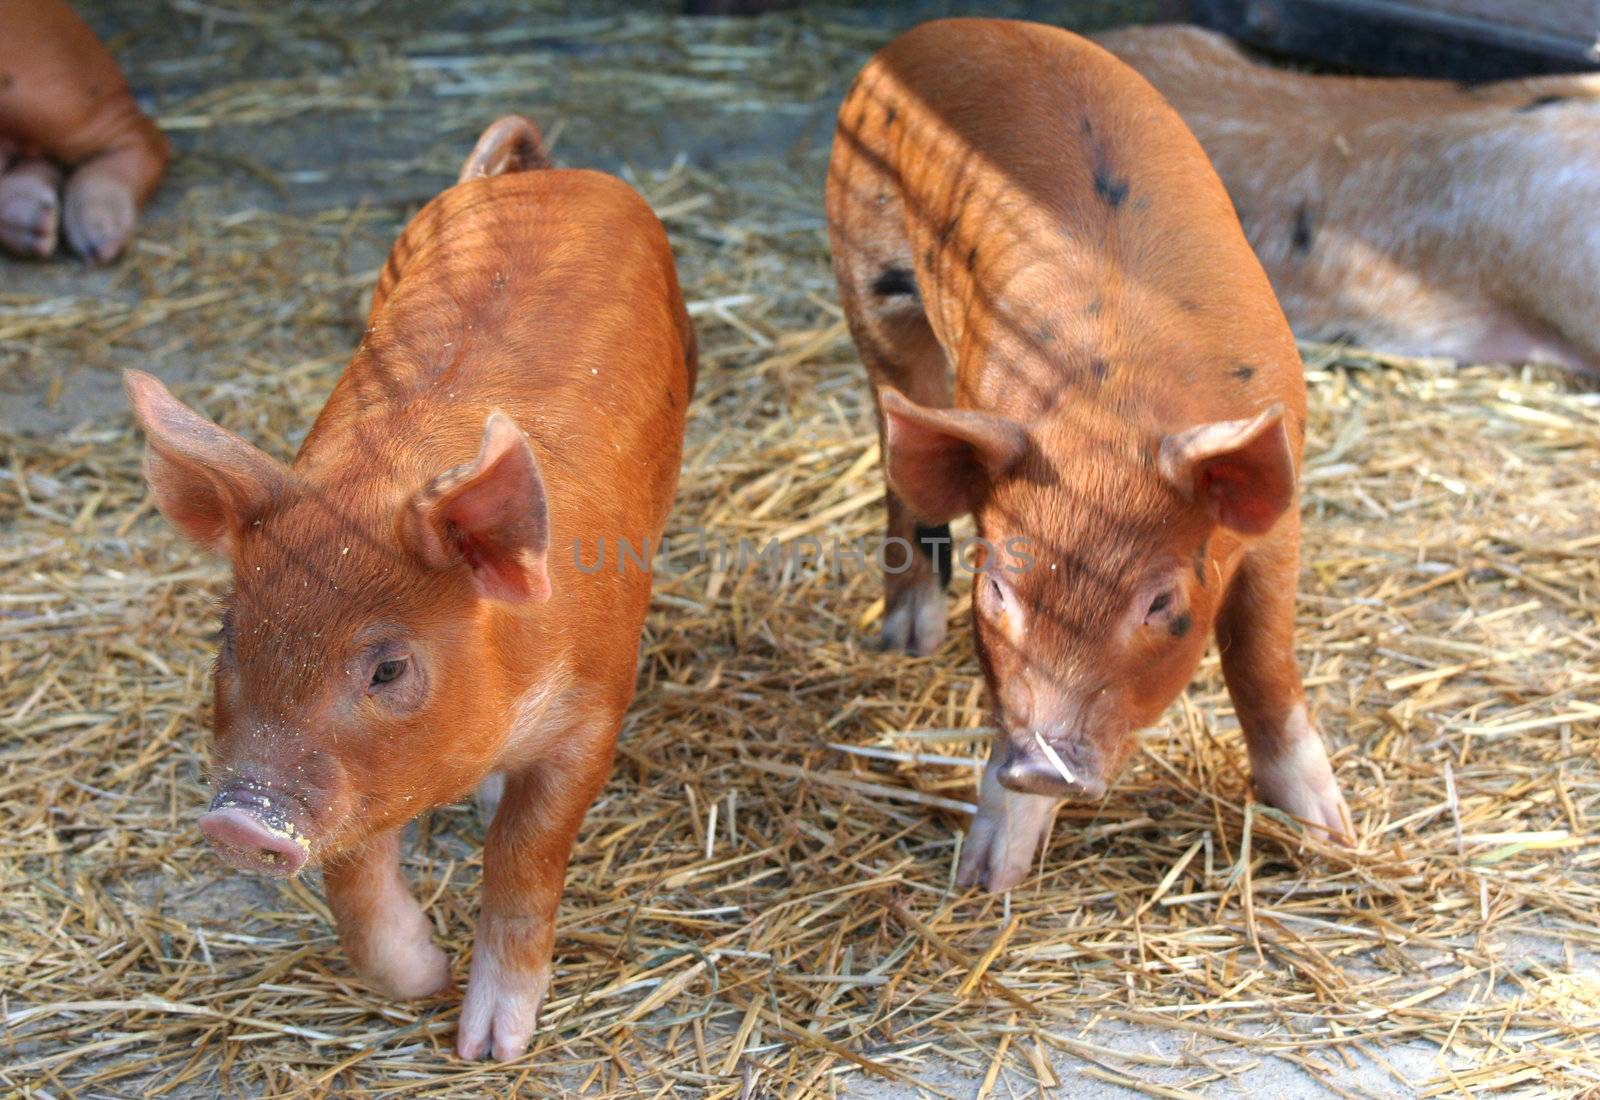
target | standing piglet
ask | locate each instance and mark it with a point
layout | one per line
(65, 105)
(1126, 419)
(406, 615)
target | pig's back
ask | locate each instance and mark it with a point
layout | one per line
(1084, 190)
(549, 294)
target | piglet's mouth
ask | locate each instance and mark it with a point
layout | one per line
(253, 829)
(1033, 765)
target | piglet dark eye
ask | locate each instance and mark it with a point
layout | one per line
(388, 671)
(1158, 608)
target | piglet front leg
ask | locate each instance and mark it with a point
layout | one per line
(385, 933)
(1255, 633)
(1007, 832)
(524, 870)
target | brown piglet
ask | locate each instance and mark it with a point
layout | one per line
(407, 619)
(65, 105)
(1125, 422)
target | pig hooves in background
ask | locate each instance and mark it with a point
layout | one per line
(499, 1016)
(915, 618)
(99, 214)
(1006, 835)
(30, 207)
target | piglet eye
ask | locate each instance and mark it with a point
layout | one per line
(388, 671)
(1158, 606)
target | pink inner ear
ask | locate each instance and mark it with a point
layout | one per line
(486, 506)
(1243, 501)
(512, 576)
(496, 518)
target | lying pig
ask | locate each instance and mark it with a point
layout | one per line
(1418, 217)
(65, 106)
(1128, 410)
(405, 617)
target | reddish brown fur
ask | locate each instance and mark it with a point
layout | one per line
(1413, 216)
(63, 100)
(1077, 262)
(552, 297)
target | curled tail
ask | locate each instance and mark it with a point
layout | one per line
(511, 144)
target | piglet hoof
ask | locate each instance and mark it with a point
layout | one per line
(98, 218)
(1301, 784)
(500, 1012)
(401, 960)
(422, 972)
(1322, 809)
(29, 210)
(915, 618)
(1006, 835)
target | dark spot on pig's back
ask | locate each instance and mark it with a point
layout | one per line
(1302, 234)
(1099, 368)
(894, 282)
(1244, 372)
(1111, 190)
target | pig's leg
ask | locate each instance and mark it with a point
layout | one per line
(877, 285)
(30, 207)
(524, 869)
(1006, 833)
(384, 931)
(902, 352)
(102, 201)
(1255, 633)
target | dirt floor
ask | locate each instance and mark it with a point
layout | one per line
(752, 909)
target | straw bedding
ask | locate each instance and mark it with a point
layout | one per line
(761, 902)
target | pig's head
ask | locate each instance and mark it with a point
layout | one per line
(1110, 554)
(357, 683)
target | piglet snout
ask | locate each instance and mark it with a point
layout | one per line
(252, 830)
(1038, 766)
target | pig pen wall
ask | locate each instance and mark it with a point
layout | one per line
(756, 906)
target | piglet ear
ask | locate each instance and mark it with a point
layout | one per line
(1245, 468)
(206, 480)
(942, 462)
(490, 514)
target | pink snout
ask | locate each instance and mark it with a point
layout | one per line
(1039, 767)
(253, 833)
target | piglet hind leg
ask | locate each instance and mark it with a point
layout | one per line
(1255, 633)
(917, 556)
(1006, 834)
(524, 869)
(30, 207)
(102, 201)
(382, 928)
